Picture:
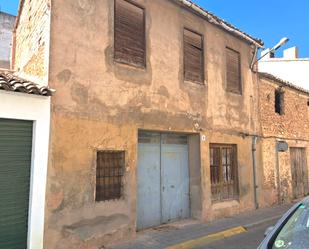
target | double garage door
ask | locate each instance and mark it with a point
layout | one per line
(163, 179)
(15, 164)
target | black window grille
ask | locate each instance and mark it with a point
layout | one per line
(110, 170)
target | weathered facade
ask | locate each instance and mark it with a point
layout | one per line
(144, 115)
(285, 170)
(6, 31)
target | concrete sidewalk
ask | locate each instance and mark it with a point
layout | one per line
(182, 234)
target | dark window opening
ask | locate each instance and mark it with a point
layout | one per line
(110, 169)
(308, 103)
(271, 54)
(193, 57)
(279, 102)
(129, 34)
(233, 71)
(223, 172)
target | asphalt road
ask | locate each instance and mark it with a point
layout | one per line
(249, 240)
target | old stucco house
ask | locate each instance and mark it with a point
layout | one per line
(284, 119)
(155, 118)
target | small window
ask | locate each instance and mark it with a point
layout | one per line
(129, 34)
(233, 72)
(223, 172)
(193, 57)
(110, 168)
(279, 102)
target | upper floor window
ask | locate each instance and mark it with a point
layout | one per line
(233, 72)
(129, 34)
(193, 57)
(223, 171)
(279, 101)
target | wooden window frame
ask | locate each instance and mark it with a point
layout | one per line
(103, 192)
(240, 90)
(218, 187)
(203, 57)
(144, 66)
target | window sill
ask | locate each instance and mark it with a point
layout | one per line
(234, 93)
(194, 83)
(225, 204)
(119, 62)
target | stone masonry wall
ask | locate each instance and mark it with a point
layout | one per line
(294, 124)
(6, 28)
(32, 40)
(292, 127)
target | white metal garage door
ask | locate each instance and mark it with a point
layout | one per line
(163, 179)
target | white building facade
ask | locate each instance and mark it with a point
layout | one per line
(290, 67)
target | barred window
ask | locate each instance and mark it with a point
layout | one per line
(110, 169)
(233, 71)
(223, 171)
(129, 34)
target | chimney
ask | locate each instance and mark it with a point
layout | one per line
(290, 53)
(266, 54)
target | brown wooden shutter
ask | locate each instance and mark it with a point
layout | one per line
(129, 34)
(193, 57)
(233, 74)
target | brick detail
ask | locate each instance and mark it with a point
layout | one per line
(294, 124)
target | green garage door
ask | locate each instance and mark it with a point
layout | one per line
(15, 164)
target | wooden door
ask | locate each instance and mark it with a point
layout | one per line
(299, 172)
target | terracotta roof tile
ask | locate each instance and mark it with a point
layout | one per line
(220, 22)
(13, 83)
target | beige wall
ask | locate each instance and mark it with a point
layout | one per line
(100, 104)
(292, 127)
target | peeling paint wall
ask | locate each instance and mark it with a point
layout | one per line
(292, 127)
(101, 105)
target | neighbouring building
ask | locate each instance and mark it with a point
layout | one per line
(24, 140)
(155, 117)
(24, 131)
(7, 22)
(284, 116)
(289, 67)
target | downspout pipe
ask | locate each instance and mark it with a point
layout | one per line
(255, 186)
(278, 175)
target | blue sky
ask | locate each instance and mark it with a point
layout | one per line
(266, 19)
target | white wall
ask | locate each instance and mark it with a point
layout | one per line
(36, 108)
(295, 71)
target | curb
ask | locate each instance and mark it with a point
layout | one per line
(262, 222)
(205, 240)
(202, 241)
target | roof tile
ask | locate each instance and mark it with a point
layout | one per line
(13, 83)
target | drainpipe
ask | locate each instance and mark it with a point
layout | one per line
(278, 175)
(255, 186)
